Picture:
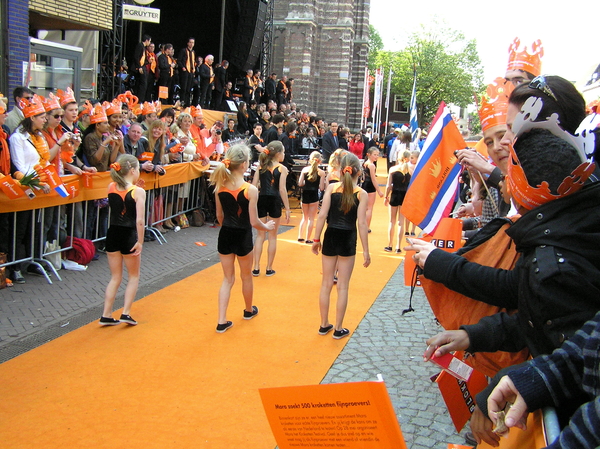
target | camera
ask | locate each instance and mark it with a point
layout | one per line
(219, 132)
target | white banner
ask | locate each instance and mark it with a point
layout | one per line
(141, 14)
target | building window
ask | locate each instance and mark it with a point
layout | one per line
(399, 105)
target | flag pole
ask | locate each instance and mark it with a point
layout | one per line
(365, 98)
(414, 122)
(387, 103)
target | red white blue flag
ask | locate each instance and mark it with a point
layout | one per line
(434, 183)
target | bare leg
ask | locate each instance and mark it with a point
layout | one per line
(245, 264)
(272, 248)
(345, 267)
(329, 264)
(115, 264)
(303, 222)
(401, 220)
(132, 263)
(393, 212)
(370, 205)
(312, 213)
(228, 265)
(258, 245)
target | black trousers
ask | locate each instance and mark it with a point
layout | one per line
(185, 82)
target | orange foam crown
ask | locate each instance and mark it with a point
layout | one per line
(128, 98)
(494, 103)
(32, 107)
(98, 114)
(112, 108)
(196, 111)
(148, 108)
(66, 96)
(523, 59)
(51, 103)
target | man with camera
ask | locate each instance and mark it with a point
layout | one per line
(210, 142)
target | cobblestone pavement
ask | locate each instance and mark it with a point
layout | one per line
(385, 342)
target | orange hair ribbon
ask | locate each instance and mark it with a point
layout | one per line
(266, 151)
(115, 166)
(347, 169)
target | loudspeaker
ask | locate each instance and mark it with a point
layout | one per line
(244, 33)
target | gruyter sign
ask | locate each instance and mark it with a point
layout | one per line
(141, 14)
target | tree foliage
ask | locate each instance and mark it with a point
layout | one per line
(447, 65)
(375, 45)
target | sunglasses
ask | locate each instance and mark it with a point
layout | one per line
(539, 83)
(57, 116)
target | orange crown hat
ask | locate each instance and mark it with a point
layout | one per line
(112, 108)
(32, 107)
(148, 108)
(87, 108)
(51, 103)
(98, 114)
(494, 103)
(525, 60)
(66, 96)
(196, 111)
(129, 99)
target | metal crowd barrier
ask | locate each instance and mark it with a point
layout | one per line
(31, 229)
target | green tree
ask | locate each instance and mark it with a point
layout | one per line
(375, 46)
(447, 65)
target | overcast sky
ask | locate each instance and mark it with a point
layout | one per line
(569, 30)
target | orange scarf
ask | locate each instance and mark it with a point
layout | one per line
(151, 58)
(4, 154)
(41, 146)
(170, 61)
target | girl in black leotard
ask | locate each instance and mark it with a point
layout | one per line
(125, 235)
(236, 202)
(272, 195)
(370, 183)
(344, 203)
(395, 191)
(312, 181)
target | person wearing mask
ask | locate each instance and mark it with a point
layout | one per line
(552, 304)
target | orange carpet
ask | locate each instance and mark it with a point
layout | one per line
(172, 381)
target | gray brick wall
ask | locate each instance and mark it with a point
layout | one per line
(322, 45)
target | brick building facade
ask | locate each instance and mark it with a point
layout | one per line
(25, 17)
(323, 46)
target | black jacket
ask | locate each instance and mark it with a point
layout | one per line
(329, 145)
(555, 284)
(270, 87)
(220, 78)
